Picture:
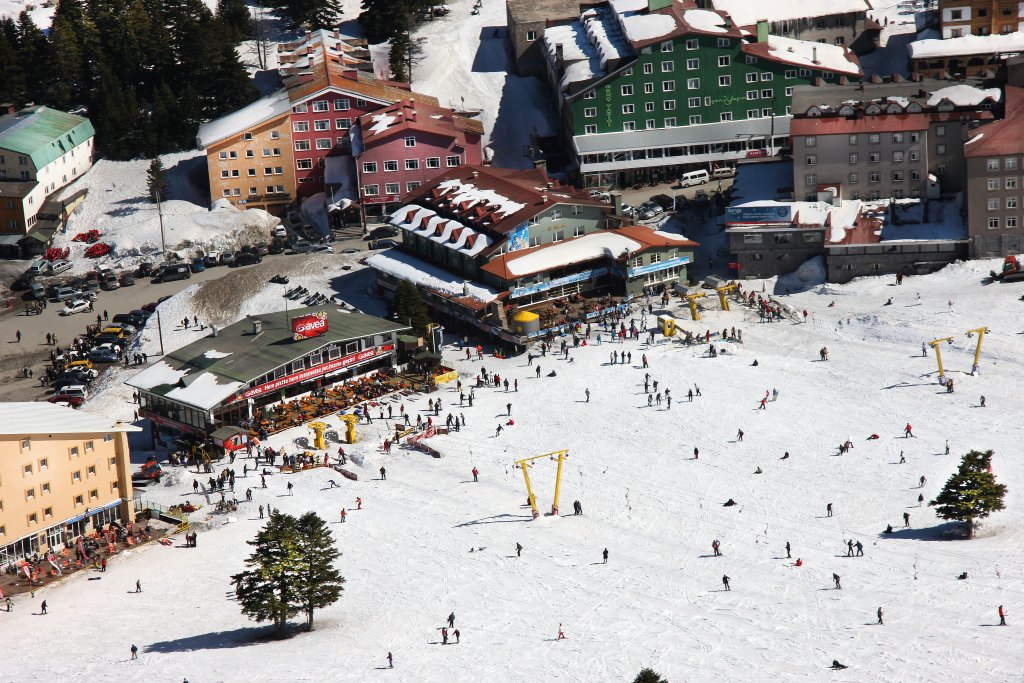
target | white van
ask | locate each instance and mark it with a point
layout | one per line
(39, 267)
(60, 266)
(75, 391)
(694, 178)
(723, 172)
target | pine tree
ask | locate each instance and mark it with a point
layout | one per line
(649, 676)
(319, 583)
(266, 591)
(399, 58)
(235, 17)
(409, 307)
(156, 178)
(972, 493)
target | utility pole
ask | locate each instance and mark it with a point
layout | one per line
(160, 332)
(160, 215)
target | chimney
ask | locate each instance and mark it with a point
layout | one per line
(542, 165)
(309, 36)
(476, 173)
(337, 34)
(543, 199)
(257, 327)
(617, 203)
(814, 55)
(762, 31)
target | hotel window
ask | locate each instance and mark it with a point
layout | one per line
(811, 179)
(392, 188)
(1010, 164)
(590, 95)
(371, 190)
(648, 88)
(453, 160)
(590, 112)
(1011, 184)
(277, 170)
(360, 102)
(724, 81)
(304, 164)
(753, 114)
(874, 177)
(410, 141)
(76, 476)
(628, 125)
(693, 102)
(723, 61)
(915, 175)
(341, 105)
(993, 223)
(993, 204)
(668, 86)
(226, 192)
(670, 105)
(725, 116)
(874, 157)
(322, 124)
(854, 178)
(648, 68)
(74, 451)
(299, 109)
(940, 132)
(342, 124)
(252, 190)
(433, 162)
(626, 90)
(668, 67)
(369, 167)
(695, 120)
(811, 160)
(1011, 221)
(320, 105)
(301, 146)
(751, 59)
(992, 165)
(91, 472)
(298, 127)
(628, 109)
(251, 172)
(412, 164)
(32, 519)
(853, 159)
(558, 236)
(531, 36)
(723, 42)
(767, 94)
(1011, 202)
(940, 149)
(666, 46)
(692, 44)
(751, 94)
(670, 122)
(915, 155)
(897, 156)
(767, 75)
(992, 184)
(898, 176)
(751, 78)
(412, 185)
(324, 143)
(94, 494)
(30, 494)
(790, 73)
(43, 464)
(390, 166)
(693, 84)
(590, 129)
(225, 174)
(648, 106)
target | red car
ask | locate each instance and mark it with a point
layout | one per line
(73, 401)
(756, 153)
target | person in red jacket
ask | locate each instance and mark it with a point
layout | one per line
(476, 474)
(908, 431)
(1002, 616)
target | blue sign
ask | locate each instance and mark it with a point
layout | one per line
(777, 213)
(519, 238)
(567, 280)
(655, 267)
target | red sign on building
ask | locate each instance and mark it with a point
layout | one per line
(307, 326)
(313, 372)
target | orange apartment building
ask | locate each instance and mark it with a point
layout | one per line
(63, 472)
(961, 18)
(249, 155)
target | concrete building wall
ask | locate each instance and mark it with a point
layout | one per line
(768, 252)
(980, 17)
(838, 29)
(994, 216)
(911, 258)
(46, 480)
(260, 158)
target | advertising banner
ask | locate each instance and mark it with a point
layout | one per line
(776, 213)
(308, 326)
(313, 372)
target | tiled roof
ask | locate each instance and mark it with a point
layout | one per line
(326, 75)
(840, 125)
(409, 115)
(1002, 137)
(43, 134)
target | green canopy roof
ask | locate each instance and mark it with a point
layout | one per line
(43, 134)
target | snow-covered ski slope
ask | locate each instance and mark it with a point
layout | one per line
(657, 602)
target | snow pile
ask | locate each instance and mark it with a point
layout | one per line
(578, 250)
(813, 55)
(705, 20)
(581, 61)
(994, 44)
(963, 95)
(749, 12)
(462, 192)
(641, 27)
(407, 267)
(606, 35)
(811, 273)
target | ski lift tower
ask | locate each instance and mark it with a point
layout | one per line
(981, 332)
(526, 463)
(938, 355)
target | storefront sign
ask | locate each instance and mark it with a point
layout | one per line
(313, 372)
(450, 376)
(567, 280)
(308, 326)
(655, 267)
(168, 422)
(758, 214)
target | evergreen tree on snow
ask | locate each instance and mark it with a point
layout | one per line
(234, 15)
(267, 590)
(319, 583)
(156, 178)
(649, 676)
(972, 493)
(409, 307)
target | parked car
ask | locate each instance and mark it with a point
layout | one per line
(277, 246)
(324, 249)
(175, 272)
(245, 258)
(227, 258)
(212, 259)
(127, 280)
(109, 281)
(23, 282)
(122, 327)
(198, 264)
(76, 306)
(140, 314)
(104, 355)
(37, 291)
(383, 244)
(627, 210)
(383, 232)
(648, 210)
(130, 319)
(300, 246)
(280, 231)
(664, 201)
(39, 267)
(350, 250)
(60, 266)
(64, 294)
(261, 249)
(83, 375)
(145, 269)
(61, 397)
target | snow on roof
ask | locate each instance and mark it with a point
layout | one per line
(460, 192)
(622, 6)
(606, 35)
(580, 58)
(407, 267)
(409, 219)
(213, 353)
(24, 418)
(243, 119)
(586, 248)
(967, 45)
(812, 55)
(705, 20)
(381, 122)
(963, 95)
(157, 375)
(748, 12)
(814, 213)
(641, 27)
(205, 392)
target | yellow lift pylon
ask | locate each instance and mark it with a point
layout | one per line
(526, 463)
(981, 332)
(938, 355)
(691, 301)
(723, 292)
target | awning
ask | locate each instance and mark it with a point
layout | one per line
(226, 432)
(89, 512)
(39, 236)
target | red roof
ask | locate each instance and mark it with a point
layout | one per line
(840, 125)
(1003, 137)
(409, 115)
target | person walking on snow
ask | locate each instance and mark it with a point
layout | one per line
(725, 582)
(508, 406)
(906, 520)
(135, 651)
(982, 401)
(444, 636)
(908, 431)
(839, 586)
(343, 515)
(42, 608)
(715, 545)
(457, 636)
(1002, 616)
(922, 481)
(880, 623)
(561, 634)
(739, 435)
(476, 474)
(451, 620)
(519, 550)
(359, 503)
(903, 459)
(290, 487)
(604, 555)
(383, 473)
(696, 453)
(138, 586)
(587, 392)
(788, 556)
(828, 510)
(849, 548)
(391, 661)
